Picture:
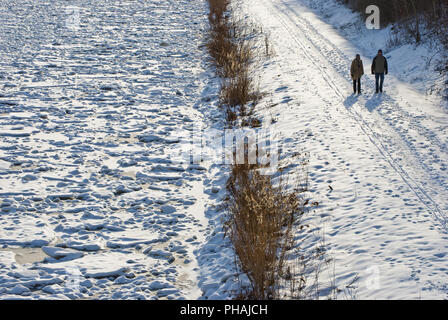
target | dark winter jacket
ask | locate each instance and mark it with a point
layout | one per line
(379, 65)
(357, 69)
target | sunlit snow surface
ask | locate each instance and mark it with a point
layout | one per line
(93, 99)
(378, 162)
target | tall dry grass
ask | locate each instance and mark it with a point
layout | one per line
(230, 47)
(261, 213)
(260, 224)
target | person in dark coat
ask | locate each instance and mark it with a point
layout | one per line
(356, 71)
(379, 69)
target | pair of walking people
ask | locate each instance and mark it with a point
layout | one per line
(379, 69)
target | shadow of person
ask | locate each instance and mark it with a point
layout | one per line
(374, 102)
(350, 101)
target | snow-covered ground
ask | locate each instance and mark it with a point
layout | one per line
(94, 100)
(378, 163)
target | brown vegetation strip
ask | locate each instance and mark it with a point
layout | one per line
(261, 214)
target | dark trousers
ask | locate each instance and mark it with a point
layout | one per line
(379, 80)
(359, 85)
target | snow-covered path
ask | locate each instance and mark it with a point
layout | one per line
(91, 204)
(384, 156)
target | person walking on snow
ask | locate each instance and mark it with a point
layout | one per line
(356, 71)
(379, 69)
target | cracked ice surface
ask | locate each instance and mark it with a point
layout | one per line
(87, 119)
